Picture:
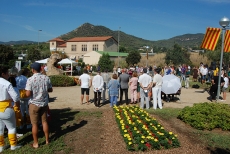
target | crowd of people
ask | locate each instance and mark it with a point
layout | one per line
(144, 83)
(140, 84)
(23, 102)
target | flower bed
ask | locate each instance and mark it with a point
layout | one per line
(142, 132)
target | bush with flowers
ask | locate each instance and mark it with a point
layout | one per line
(142, 132)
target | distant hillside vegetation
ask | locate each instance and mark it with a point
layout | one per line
(18, 42)
(130, 42)
(133, 42)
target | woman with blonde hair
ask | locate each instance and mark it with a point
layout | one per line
(133, 87)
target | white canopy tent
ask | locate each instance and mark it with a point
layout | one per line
(68, 61)
(43, 61)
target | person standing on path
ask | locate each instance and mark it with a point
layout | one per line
(113, 87)
(145, 82)
(187, 75)
(85, 82)
(98, 84)
(21, 84)
(225, 87)
(7, 114)
(156, 90)
(37, 88)
(133, 88)
(106, 79)
(124, 81)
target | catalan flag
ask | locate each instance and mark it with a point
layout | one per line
(227, 41)
(211, 38)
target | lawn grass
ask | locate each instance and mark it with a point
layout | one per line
(166, 113)
(218, 140)
(215, 139)
(63, 121)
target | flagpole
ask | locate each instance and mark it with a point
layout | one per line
(224, 22)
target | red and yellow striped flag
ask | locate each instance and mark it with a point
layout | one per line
(211, 38)
(227, 41)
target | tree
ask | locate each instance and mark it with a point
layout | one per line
(122, 49)
(177, 56)
(105, 63)
(6, 55)
(133, 57)
(33, 54)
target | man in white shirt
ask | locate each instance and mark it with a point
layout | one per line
(156, 90)
(204, 72)
(85, 82)
(98, 84)
(145, 82)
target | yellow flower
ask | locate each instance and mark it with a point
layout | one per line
(142, 136)
(175, 135)
(170, 133)
(155, 140)
(162, 127)
(130, 143)
(125, 130)
(135, 128)
(142, 141)
(138, 132)
(173, 138)
(129, 139)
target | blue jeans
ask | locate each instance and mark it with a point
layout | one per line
(113, 100)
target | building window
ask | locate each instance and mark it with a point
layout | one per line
(73, 47)
(95, 47)
(52, 43)
(84, 47)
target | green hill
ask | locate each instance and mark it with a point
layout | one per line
(133, 42)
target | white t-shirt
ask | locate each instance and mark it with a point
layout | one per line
(204, 71)
(145, 80)
(158, 80)
(226, 82)
(85, 79)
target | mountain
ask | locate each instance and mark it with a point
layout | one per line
(130, 42)
(18, 42)
(133, 42)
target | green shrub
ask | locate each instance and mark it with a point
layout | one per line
(207, 116)
(62, 81)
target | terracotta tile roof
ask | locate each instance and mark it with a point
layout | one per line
(89, 39)
(57, 39)
(62, 45)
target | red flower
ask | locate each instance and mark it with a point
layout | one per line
(148, 145)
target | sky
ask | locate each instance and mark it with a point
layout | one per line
(43, 20)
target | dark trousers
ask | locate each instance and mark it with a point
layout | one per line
(213, 91)
(97, 98)
(126, 95)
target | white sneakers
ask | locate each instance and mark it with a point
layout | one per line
(15, 147)
(11, 148)
(2, 148)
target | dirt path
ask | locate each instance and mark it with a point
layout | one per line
(69, 97)
(101, 135)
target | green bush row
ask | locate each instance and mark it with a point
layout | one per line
(207, 116)
(62, 81)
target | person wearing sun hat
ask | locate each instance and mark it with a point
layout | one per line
(37, 88)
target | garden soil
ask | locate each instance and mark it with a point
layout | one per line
(101, 135)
